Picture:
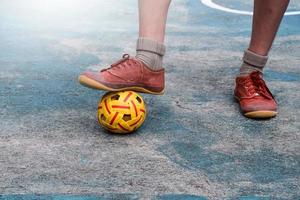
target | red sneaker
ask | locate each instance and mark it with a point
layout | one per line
(255, 99)
(126, 74)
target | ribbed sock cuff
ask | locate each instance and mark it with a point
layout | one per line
(254, 59)
(146, 44)
(150, 52)
(252, 62)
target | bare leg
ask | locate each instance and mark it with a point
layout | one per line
(152, 18)
(150, 45)
(266, 20)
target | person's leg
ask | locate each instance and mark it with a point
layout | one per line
(144, 72)
(152, 19)
(256, 100)
(152, 25)
(266, 20)
(267, 16)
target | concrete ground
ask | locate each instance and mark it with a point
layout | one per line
(195, 144)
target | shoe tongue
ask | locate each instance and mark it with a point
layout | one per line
(124, 59)
(263, 92)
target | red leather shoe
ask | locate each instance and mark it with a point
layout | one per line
(255, 99)
(126, 74)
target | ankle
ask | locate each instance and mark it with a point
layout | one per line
(252, 62)
(150, 52)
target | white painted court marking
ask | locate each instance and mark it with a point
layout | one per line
(211, 4)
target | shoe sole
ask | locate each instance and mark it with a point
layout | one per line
(88, 82)
(260, 114)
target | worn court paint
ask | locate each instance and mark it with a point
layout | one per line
(282, 76)
(255, 198)
(179, 197)
(263, 166)
(115, 196)
(194, 143)
(70, 197)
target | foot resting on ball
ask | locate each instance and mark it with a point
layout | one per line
(128, 73)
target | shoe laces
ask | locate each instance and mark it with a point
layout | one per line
(124, 62)
(256, 86)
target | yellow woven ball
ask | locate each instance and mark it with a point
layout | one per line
(121, 112)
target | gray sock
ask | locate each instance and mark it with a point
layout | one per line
(252, 62)
(150, 52)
